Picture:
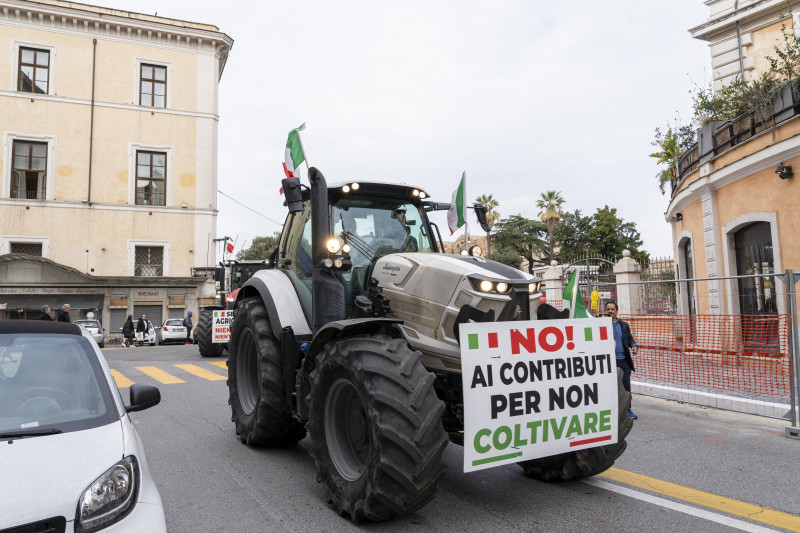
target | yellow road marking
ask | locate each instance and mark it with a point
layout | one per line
(159, 375)
(201, 372)
(121, 380)
(221, 364)
(706, 499)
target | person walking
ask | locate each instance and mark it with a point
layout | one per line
(46, 314)
(187, 323)
(141, 327)
(63, 315)
(127, 332)
(625, 348)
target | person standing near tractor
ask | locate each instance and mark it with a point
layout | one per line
(187, 323)
(626, 348)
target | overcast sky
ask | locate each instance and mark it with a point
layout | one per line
(525, 96)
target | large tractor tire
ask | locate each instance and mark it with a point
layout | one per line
(256, 383)
(375, 425)
(588, 462)
(204, 334)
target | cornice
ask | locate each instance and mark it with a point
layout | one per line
(97, 22)
(97, 206)
(705, 30)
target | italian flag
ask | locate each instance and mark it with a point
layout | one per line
(574, 300)
(294, 154)
(457, 214)
(229, 247)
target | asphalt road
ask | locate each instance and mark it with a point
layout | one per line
(747, 470)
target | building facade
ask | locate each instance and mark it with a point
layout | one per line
(733, 211)
(108, 165)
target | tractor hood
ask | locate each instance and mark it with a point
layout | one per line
(427, 291)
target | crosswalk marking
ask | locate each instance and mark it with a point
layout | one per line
(202, 372)
(121, 380)
(159, 375)
(221, 364)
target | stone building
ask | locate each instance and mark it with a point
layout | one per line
(108, 166)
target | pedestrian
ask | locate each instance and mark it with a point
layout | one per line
(187, 323)
(625, 348)
(46, 313)
(127, 332)
(141, 329)
(63, 315)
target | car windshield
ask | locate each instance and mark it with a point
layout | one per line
(88, 323)
(51, 383)
(177, 322)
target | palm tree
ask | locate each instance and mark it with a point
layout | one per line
(669, 154)
(492, 214)
(550, 212)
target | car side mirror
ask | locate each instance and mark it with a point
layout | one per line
(143, 397)
(480, 212)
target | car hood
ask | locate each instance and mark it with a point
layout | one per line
(44, 476)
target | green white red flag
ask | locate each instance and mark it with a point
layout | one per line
(573, 298)
(294, 154)
(457, 214)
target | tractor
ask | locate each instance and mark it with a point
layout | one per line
(230, 276)
(352, 335)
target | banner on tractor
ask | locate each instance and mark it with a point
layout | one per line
(537, 388)
(221, 326)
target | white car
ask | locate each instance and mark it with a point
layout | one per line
(173, 330)
(94, 328)
(67, 444)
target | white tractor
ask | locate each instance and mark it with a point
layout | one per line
(352, 335)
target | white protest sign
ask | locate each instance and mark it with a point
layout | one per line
(537, 388)
(222, 326)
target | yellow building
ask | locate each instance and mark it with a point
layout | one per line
(733, 212)
(108, 166)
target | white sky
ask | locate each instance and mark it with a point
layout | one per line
(525, 96)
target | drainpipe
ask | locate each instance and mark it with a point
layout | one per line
(739, 41)
(91, 122)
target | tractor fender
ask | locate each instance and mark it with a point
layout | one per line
(281, 300)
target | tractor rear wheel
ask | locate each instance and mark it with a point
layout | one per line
(588, 462)
(255, 381)
(204, 335)
(375, 425)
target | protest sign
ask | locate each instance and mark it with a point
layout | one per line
(222, 326)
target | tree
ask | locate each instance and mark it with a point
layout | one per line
(492, 215)
(523, 236)
(261, 248)
(668, 155)
(602, 233)
(507, 256)
(550, 212)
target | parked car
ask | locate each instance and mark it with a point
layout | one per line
(94, 328)
(172, 330)
(68, 442)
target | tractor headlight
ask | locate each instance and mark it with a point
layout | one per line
(327, 262)
(333, 246)
(337, 263)
(345, 189)
(415, 192)
(475, 251)
(109, 498)
(533, 288)
(486, 285)
(502, 287)
(354, 186)
(346, 248)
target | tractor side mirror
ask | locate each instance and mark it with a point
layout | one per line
(293, 194)
(480, 212)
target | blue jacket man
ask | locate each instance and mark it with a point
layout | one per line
(626, 348)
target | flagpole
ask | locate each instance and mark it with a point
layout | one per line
(303, 148)
(466, 225)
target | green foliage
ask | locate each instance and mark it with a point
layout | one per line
(670, 151)
(603, 233)
(492, 215)
(507, 256)
(261, 248)
(549, 204)
(522, 236)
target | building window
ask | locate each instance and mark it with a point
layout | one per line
(29, 170)
(151, 178)
(152, 85)
(34, 71)
(149, 261)
(27, 248)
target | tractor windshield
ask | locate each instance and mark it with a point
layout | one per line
(375, 226)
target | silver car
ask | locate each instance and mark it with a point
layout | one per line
(93, 327)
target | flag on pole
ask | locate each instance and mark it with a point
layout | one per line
(229, 247)
(294, 154)
(573, 298)
(457, 214)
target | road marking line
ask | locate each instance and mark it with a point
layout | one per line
(681, 508)
(159, 375)
(221, 364)
(706, 499)
(121, 380)
(201, 372)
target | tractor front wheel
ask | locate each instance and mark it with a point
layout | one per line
(205, 333)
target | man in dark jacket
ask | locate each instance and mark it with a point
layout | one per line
(187, 323)
(63, 315)
(625, 348)
(46, 314)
